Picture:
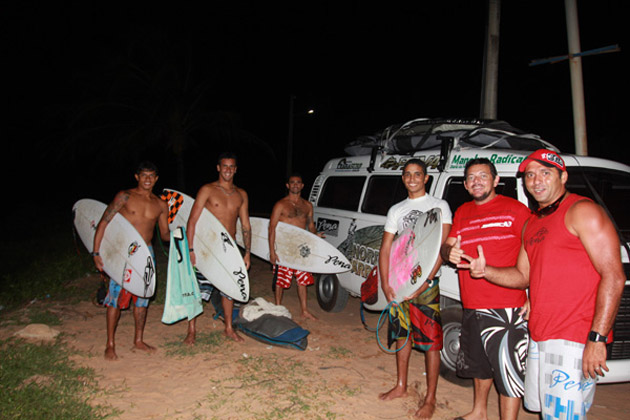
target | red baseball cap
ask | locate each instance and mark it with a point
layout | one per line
(546, 157)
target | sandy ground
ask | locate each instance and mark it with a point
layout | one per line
(339, 376)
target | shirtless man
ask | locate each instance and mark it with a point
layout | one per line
(143, 209)
(294, 210)
(227, 203)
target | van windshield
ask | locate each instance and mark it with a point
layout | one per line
(612, 186)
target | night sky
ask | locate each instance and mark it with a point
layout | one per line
(94, 87)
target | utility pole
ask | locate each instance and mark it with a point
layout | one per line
(490, 76)
(575, 66)
(577, 84)
(290, 138)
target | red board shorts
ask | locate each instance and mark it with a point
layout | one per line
(285, 275)
(423, 313)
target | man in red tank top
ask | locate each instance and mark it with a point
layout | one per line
(570, 261)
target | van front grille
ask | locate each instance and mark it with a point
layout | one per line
(620, 347)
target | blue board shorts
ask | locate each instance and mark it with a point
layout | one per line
(117, 297)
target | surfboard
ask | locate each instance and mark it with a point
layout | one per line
(296, 248)
(413, 255)
(218, 257)
(126, 257)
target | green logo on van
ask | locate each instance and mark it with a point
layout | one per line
(460, 161)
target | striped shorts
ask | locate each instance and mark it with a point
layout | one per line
(285, 275)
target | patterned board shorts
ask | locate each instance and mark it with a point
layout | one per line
(285, 275)
(423, 313)
(117, 297)
(554, 383)
(493, 345)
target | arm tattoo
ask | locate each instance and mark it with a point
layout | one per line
(247, 239)
(118, 203)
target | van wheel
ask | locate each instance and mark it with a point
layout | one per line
(451, 328)
(330, 295)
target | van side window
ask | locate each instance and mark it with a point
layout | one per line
(342, 192)
(383, 191)
(456, 195)
(612, 186)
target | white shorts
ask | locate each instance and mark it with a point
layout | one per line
(554, 382)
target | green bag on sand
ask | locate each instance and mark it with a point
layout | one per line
(183, 298)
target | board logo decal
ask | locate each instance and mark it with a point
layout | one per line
(416, 274)
(240, 280)
(127, 275)
(305, 251)
(133, 248)
(149, 270)
(226, 240)
(335, 261)
(174, 200)
(431, 218)
(330, 227)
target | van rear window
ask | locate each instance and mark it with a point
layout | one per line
(342, 192)
(456, 195)
(383, 191)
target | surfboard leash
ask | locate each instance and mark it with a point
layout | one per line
(363, 321)
(390, 317)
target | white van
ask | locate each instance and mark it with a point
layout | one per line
(352, 195)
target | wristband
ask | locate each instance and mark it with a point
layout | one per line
(595, 337)
(96, 254)
(191, 249)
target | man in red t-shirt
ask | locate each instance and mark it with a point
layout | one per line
(493, 342)
(571, 262)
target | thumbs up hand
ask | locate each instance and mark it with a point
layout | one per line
(456, 252)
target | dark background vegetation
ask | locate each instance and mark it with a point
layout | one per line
(94, 87)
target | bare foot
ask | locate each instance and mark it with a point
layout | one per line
(308, 315)
(110, 353)
(190, 339)
(395, 392)
(426, 410)
(142, 346)
(231, 334)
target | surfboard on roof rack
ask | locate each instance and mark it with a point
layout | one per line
(428, 133)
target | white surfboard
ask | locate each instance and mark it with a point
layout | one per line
(218, 257)
(412, 257)
(296, 248)
(126, 257)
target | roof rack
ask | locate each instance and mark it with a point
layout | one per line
(429, 133)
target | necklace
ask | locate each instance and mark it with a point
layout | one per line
(547, 210)
(225, 192)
